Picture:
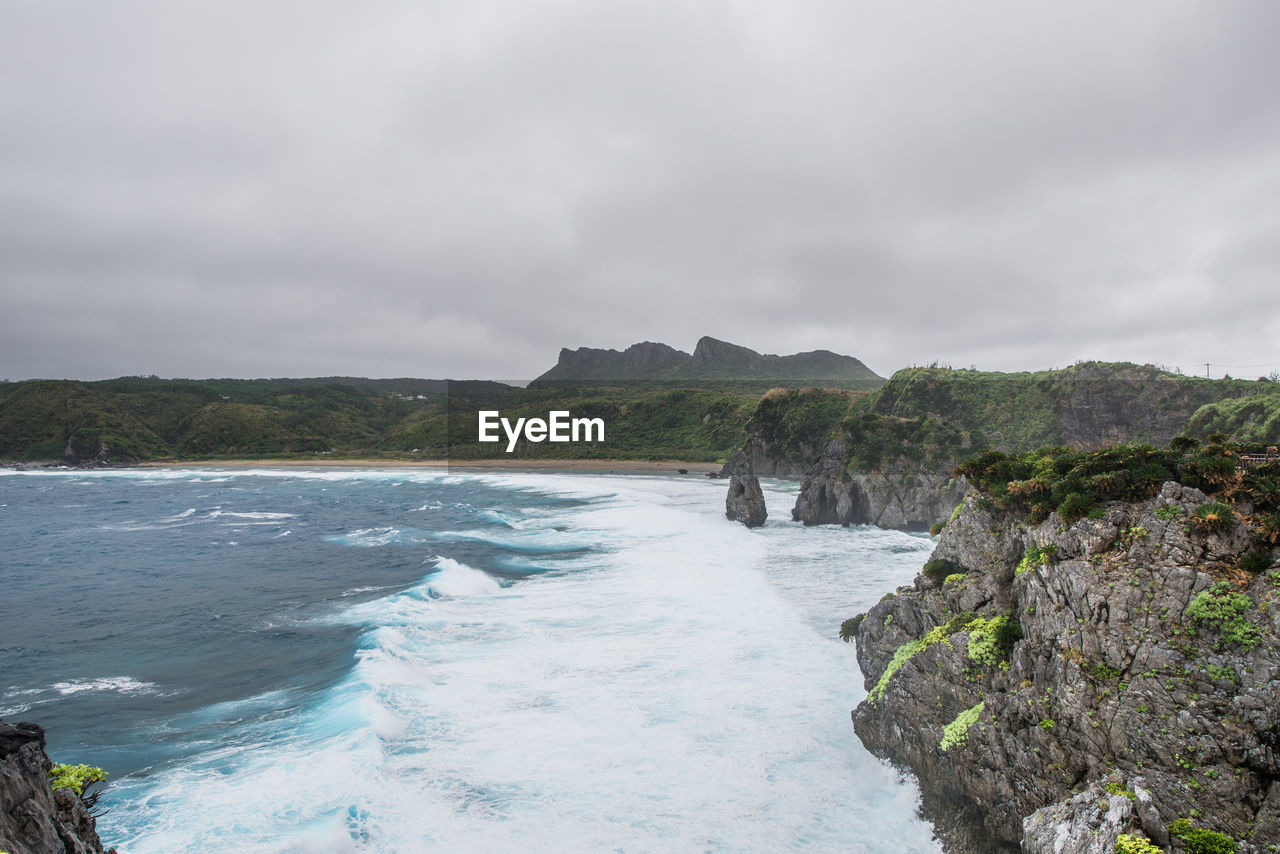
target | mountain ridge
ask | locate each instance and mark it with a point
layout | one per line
(711, 359)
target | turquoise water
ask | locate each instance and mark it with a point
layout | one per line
(345, 660)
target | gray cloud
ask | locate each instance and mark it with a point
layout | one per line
(459, 190)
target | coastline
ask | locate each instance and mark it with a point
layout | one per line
(497, 463)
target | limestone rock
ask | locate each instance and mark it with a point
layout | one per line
(745, 501)
(897, 494)
(1110, 677)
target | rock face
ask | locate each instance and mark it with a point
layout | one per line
(1122, 708)
(33, 818)
(745, 501)
(88, 451)
(898, 493)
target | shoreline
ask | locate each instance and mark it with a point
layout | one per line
(537, 464)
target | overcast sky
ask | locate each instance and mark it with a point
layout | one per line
(460, 189)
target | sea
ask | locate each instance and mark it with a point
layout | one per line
(417, 660)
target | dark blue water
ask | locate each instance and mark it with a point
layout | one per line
(134, 598)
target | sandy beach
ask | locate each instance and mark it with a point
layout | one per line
(528, 465)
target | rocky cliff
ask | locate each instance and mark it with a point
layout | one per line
(891, 464)
(34, 819)
(1058, 683)
(891, 472)
(898, 493)
(789, 428)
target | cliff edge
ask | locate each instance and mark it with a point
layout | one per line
(35, 819)
(1058, 679)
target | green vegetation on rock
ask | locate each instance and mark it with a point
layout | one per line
(956, 733)
(75, 777)
(990, 640)
(1225, 611)
(1200, 840)
(1127, 844)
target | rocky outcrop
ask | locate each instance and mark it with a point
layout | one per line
(89, 451)
(1053, 686)
(745, 501)
(790, 427)
(34, 819)
(897, 493)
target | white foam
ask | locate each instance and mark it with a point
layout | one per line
(252, 514)
(680, 688)
(452, 578)
(116, 684)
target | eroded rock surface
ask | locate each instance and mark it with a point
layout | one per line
(1115, 712)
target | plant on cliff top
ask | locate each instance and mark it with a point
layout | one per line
(1225, 611)
(1074, 506)
(79, 779)
(1214, 517)
(75, 777)
(956, 733)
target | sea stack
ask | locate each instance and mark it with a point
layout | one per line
(745, 501)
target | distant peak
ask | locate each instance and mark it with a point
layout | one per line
(711, 359)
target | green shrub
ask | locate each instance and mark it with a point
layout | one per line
(1262, 485)
(79, 779)
(1214, 517)
(1168, 514)
(1074, 506)
(956, 733)
(955, 578)
(849, 628)
(1111, 787)
(75, 777)
(1267, 528)
(1200, 840)
(1221, 674)
(1126, 844)
(1145, 481)
(1225, 611)
(991, 640)
(1036, 557)
(938, 569)
(1255, 562)
(1100, 670)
